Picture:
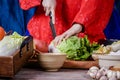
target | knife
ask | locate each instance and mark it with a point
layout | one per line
(52, 26)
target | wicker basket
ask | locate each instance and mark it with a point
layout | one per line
(80, 64)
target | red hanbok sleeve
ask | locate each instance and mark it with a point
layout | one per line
(27, 4)
(92, 10)
(94, 16)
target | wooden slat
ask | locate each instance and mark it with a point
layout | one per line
(6, 66)
(20, 61)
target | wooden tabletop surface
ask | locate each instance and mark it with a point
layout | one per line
(34, 72)
(62, 74)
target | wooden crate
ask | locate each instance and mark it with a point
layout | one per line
(10, 65)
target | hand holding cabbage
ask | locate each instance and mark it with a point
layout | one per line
(75, 48)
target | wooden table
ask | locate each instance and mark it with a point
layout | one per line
(63, 74)
(34, 72)
(38, 74)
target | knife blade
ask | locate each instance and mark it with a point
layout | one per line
(52, 26)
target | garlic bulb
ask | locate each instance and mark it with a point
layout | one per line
(113, 78)
(103, 73)
(111, 74)
(93, 71)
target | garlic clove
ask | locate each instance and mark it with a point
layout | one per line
(118, 74)
(104, 69)
(103, 73)
(98, 75)
(109, 73)
(103, 78)
(92, 75)
(114, 74)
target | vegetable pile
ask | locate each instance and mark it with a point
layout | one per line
(77, 48)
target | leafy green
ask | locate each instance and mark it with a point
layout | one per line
(77, 48)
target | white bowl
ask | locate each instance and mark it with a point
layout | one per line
(51, 61)
(108, 60)
(95, 56)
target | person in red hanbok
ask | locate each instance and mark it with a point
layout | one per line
(70, 17)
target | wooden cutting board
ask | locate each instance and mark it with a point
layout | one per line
(80, 64)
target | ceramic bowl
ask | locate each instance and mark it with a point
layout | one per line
(95, 56)
(51, 61)
(108, 60)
